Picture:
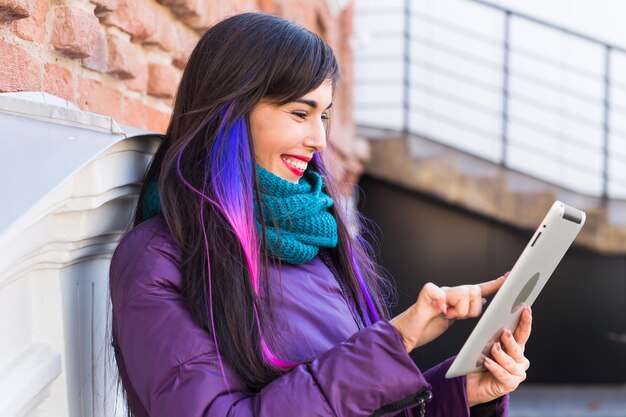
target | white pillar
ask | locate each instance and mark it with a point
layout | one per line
(69, 181)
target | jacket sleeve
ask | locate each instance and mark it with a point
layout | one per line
(450, 396)
(172, 367)
(496, 408)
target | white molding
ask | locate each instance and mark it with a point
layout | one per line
(72, 188)
(51, 109)
(26, 377)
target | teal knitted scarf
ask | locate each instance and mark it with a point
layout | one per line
(300, 211)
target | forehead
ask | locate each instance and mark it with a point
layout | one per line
(323, 93)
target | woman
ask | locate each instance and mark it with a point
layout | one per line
(240, 290)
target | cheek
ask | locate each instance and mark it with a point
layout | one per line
(273, 134)
(275, 137)
(265, 145)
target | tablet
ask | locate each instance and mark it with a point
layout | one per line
(530, 273)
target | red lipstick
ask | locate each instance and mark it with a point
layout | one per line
(300, 157)
(296, 171)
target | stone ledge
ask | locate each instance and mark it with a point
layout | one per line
(488, 189)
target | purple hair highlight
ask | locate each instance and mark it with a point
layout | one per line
(370, 314)
(232, 184)
(372, 317)
(235, 197)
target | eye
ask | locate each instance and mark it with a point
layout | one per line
(301, 114)
(325, 117)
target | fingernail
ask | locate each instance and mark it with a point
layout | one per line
(488, 361)
(498, 346)
(508, 334)
(530, 310)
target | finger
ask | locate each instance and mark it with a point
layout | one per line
(514, 349)
(434, 296)
(522, 332)
(491, 287)
(507, 362)
(476, 302)
(458, 299)
(506, 382)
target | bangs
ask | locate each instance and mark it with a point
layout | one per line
(302, 64)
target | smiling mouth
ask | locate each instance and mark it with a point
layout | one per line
(295, 165)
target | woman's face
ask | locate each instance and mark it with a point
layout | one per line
(286, 137)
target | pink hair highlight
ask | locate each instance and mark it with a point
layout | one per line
(234, 192)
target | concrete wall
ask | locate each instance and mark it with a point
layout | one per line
(579, 333)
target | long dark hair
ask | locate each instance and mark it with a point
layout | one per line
(208, 186)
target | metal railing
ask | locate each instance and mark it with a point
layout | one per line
(535, 91)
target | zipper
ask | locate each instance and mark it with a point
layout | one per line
(421, 398)
(324, 258)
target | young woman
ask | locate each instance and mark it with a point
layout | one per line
(240, 291)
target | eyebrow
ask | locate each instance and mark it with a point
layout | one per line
(311, 103)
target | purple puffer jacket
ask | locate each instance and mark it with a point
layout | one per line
(169, 367)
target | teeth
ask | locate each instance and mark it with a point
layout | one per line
(296, 163)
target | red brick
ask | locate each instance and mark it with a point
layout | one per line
(124, 57)
(181, 8)
(98, 61)
(15, 9)
(33, 28)
(95, 97)
(103, 7)
(240, 6)
(206, 16)
(156, 120)
(140, 82)
(75, 32)
(226, 9)
(186, 40)
(19, 71)
(133, 112)
(305, 16)
(58, 81)
(135, 17)
(343, 29)
(270, 6)
(163, 33)
(198, 14)
(162, 80)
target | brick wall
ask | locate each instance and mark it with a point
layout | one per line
(124, 58)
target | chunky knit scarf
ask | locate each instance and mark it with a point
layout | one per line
(300, 211)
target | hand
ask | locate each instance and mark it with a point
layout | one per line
(509, 368)
(437, 307)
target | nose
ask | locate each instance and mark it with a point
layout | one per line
(316, 136)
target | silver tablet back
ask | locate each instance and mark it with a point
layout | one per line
(532, 270)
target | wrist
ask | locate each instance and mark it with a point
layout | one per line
(400, 323)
